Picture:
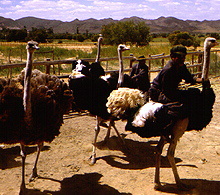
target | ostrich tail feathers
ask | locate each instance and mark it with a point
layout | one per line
(123, 99)
(200, 113)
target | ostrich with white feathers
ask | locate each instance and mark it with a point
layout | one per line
(169, 121)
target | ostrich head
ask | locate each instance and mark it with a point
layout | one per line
(122, 47)
(210, 42)
(32, 46)
(100, 38)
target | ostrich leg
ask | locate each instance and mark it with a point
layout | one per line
(108, 132)
(34, 170)
(159, 150)
(23, 156)
(178, 131)
(97, 130)
(112, 124)
(116, 130)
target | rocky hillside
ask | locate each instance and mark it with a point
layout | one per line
(159, 25)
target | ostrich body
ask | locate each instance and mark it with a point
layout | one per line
(91, 93)
(31, 110)
(156, 119)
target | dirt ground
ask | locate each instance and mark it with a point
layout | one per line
(64, 168)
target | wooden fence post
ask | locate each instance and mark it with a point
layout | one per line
(162, 63)
(131, 60)
(47, 67)
(21, 55)
(149, 66)
(9, 56)
(106, 68)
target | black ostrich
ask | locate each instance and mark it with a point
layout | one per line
(31, 109)
(91, 92)
(156, 119)
(93, 70)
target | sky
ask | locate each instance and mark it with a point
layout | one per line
(69, 10)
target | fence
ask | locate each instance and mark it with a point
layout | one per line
(195, 64)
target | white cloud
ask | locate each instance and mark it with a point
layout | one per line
(154, 0)
(5, 2)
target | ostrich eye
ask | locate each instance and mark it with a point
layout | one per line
(212, 41)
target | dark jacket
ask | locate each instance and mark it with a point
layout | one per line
(165, 86)
(139, 75)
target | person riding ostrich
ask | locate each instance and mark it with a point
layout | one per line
(31, 110)
(156, 119)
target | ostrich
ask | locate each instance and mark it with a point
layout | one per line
(156, 119)
(122, 80)
(93, 70)
(31, 110)
(91, 93)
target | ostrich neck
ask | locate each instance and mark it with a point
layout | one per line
(98, 51)
(121, 69)
(27, 88)
(205, 70)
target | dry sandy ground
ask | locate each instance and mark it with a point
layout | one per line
(64, 169)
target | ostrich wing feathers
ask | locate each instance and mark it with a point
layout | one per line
(146, 112)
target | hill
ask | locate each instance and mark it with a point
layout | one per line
(91, 25)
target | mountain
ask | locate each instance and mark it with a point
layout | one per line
(9, 23)
(91, 25)
(30, 22)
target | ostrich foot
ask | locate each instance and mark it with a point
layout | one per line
(33, 175)
(92, 159)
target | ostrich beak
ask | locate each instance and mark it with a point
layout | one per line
(127, 47)
(36, 47)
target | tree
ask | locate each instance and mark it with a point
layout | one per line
(126, 31)
(183, 38)
(215, 35)
(40, 35)
(15, 35)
